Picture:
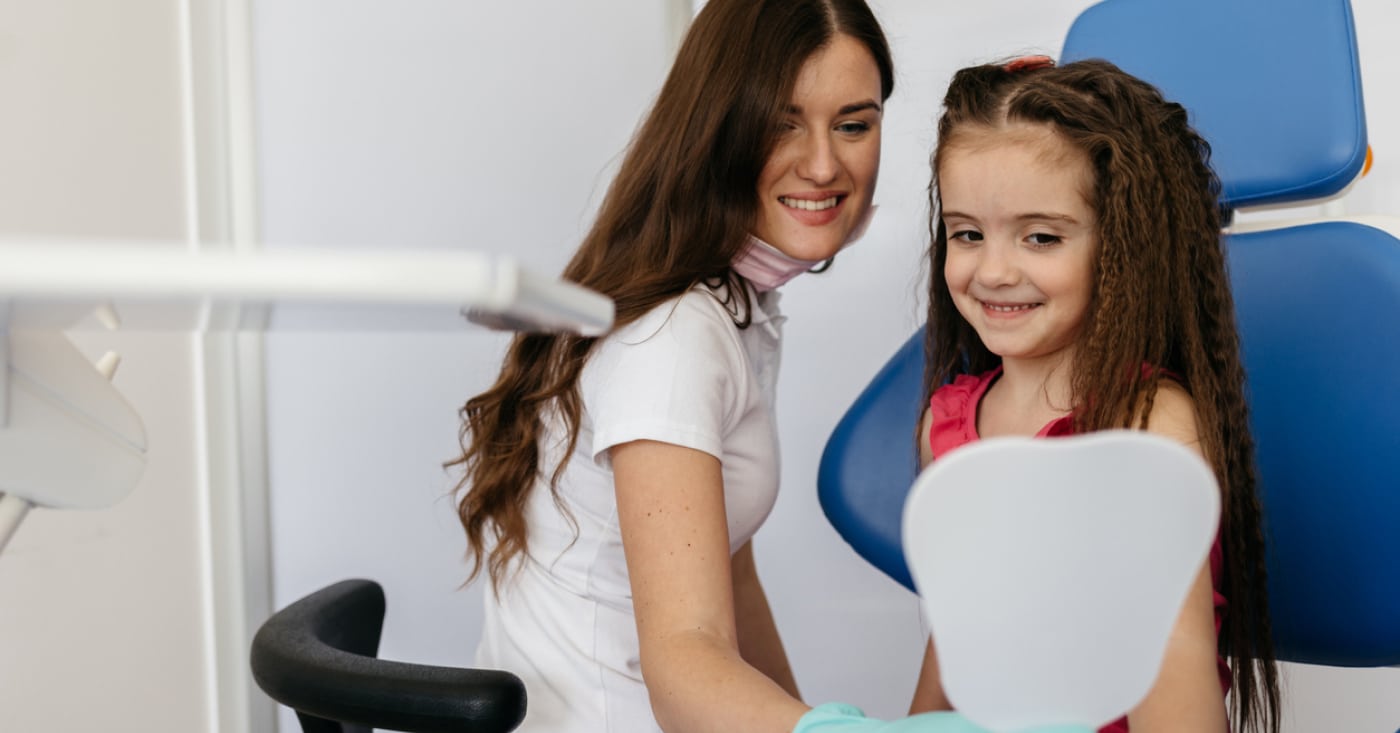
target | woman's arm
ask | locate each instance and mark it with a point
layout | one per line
(671, 510)
(1187, 694)
(759, 642)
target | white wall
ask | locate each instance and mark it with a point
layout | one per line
(104, 615)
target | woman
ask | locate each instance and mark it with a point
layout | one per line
(612, 485)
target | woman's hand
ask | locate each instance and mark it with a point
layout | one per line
(842, 718)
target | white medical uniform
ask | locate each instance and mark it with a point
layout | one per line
(681, 374)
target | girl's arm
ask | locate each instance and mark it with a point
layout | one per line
(1187, 694)
(759, 643)
(928, 693)
(925, 450)
(671, 511)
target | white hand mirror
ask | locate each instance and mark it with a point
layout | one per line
(1053, 570)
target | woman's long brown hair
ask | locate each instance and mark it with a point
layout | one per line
(1161, 296)
(676, 215)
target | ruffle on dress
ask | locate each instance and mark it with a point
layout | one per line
(953, 413)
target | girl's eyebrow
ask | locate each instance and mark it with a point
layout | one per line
(794, 109)
(1029, 216)
(1045, 216)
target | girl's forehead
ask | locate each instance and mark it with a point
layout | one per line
(1041, 136)
(1020, 158)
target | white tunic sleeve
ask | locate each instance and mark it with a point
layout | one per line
(677, 375)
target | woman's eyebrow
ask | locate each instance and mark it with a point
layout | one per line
(860, 106)
(794, 109)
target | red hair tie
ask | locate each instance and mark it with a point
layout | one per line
(1028, 63)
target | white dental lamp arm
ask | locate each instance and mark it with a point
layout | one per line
(68, 439)
(442, 282)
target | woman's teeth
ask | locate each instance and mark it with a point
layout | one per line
(807, 205)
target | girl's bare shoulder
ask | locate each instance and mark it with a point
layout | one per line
(1174, 413)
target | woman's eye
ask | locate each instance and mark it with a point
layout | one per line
(853, 128)
(1041, 239)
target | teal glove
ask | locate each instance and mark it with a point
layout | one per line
(836, 717)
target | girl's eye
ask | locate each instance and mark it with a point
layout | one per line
(853, 127)
(1041, 239)
(966, 235)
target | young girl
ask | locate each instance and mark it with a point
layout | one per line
(1079, 284)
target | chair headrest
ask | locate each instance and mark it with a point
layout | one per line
(1274, 87)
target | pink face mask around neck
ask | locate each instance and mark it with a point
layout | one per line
(767, 268)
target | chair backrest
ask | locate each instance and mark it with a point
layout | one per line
(1314, 303)
(317, 656)
(871, 459)
(1324, 389)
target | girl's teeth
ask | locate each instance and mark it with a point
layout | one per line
(807, 205)
(1008, 308)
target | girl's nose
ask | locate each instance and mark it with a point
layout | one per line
(996, 266)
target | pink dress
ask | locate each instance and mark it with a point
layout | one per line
(953, 423)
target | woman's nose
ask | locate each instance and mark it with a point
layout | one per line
(817, 163)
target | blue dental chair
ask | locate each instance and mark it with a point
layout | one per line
(1315, 303)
